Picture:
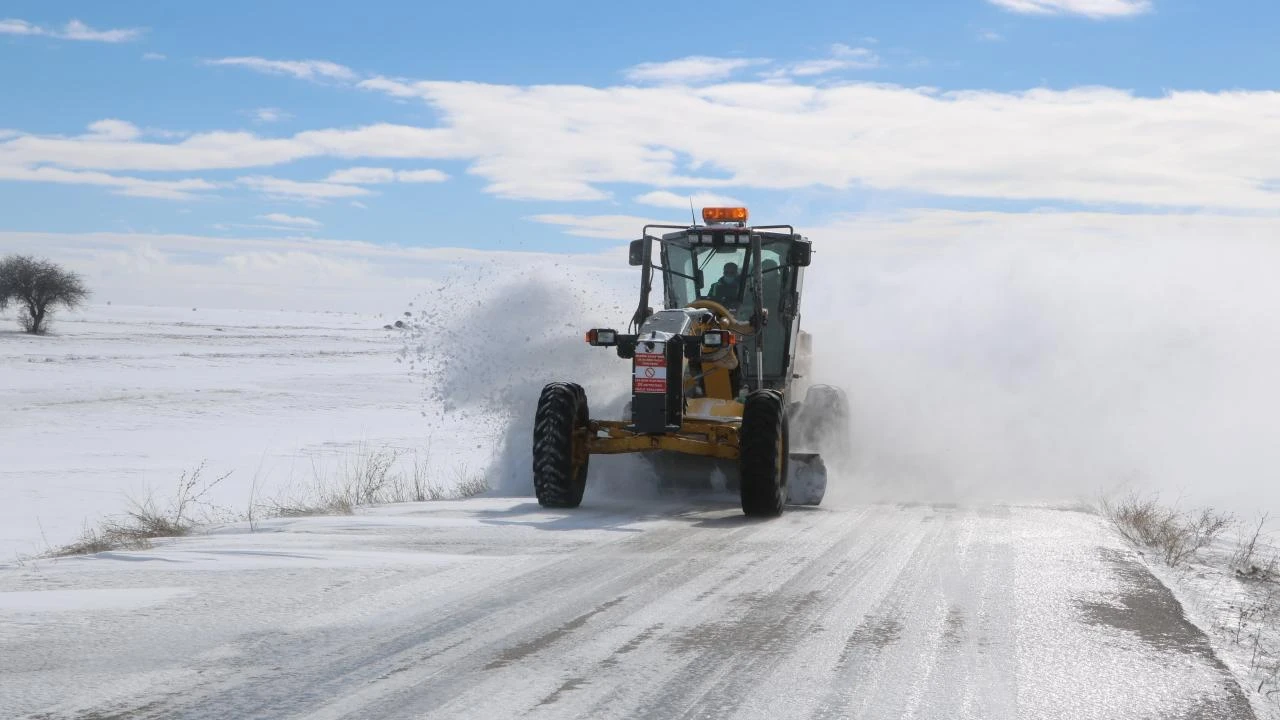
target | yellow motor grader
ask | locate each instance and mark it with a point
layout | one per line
(715, 373)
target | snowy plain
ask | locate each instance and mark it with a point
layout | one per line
(120, 401)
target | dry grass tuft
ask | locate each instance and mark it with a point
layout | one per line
(1177, 536)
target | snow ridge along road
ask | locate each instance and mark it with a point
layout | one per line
(495, 608)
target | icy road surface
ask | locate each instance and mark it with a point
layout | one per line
(494, 608)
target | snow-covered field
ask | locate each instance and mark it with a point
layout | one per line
(120, 401)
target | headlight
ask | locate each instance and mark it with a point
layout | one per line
(602, 337)
(716, 339)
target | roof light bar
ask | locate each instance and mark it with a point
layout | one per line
(724, 215)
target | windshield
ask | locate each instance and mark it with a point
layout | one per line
(701, 272)
(720, 271)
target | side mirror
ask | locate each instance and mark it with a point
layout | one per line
(698, 280)
(801, 253)
(638, 252)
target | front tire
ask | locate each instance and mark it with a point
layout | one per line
(560, 455)
(763, 447)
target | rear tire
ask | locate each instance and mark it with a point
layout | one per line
(822, 423)
(763, 448)
(808, 482)
(559, 461)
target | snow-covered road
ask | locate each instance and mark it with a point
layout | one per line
(678, 608)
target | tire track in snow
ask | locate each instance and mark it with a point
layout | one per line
(664, 611)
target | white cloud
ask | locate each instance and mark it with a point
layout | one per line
(667, 199)
(1087, 145)
(607, 227)
(294, 220)
(185, 189)
(154, 56)
(362, 176)
(282, 188)
(73, 30)
(990, 36)
(76, 30)
(359, 205)
(270, 115)
(421, 176)
(302, 69)
(14, 26)
(378, 176)
(1097, 9)
(841, 57)
(113, 130)
(693, 69)
(393, 87)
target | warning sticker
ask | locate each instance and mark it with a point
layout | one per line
(648, 386)
(651, 360)
(651, 370)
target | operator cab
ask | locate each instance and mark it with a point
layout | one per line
(717, 261)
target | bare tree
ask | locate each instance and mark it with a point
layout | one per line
(38, 286)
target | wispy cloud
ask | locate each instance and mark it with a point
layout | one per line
(314, 70)
(185, 189)
(990, 36)
(154, 56)
(1098, 9)
(282, 188)
(692, 69)
(293, 220)
(270, 115)
(668, 199)
(73, 30)
(605, 227)
(840, 57)
(378, 176)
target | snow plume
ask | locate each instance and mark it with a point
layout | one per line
(994, 356)
(987, 356)
(484, 343)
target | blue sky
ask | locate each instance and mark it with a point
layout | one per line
(829, 92)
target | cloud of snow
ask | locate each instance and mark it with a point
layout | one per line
(1053, 355)
(987, 356)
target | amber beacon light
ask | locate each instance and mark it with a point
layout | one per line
(724, 214)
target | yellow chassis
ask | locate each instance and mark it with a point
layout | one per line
(695, 437)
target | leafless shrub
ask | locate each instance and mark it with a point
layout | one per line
(1250, 560)
(424, 486)
(468, 484)
(1175, 535)
(363, 477)
(146, 519)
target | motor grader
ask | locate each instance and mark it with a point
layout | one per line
(715, 372)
